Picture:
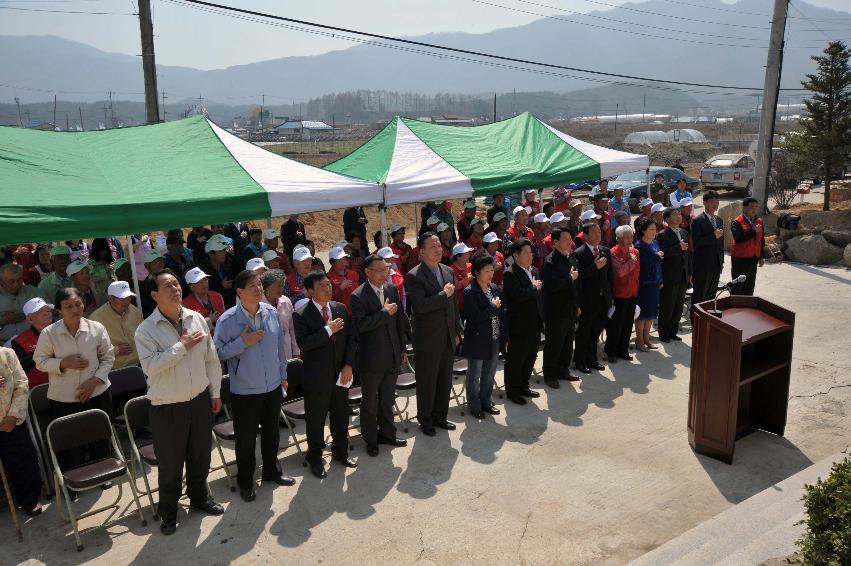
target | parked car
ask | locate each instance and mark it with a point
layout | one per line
(635, 183)
(730, 172)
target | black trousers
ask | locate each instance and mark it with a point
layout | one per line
(671, 301)
(251, 412)
(317, 407)
(376, 413)
(434, 381)
(619, 328)
(96, 450)
(520, 360)
(592, 320)
(744, 266)
(558, 349)
(704, 286)
(21, 463)
(182, 433)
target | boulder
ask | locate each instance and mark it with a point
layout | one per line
(839, 238)
(813, 249)
(727, 214)
(847, 255)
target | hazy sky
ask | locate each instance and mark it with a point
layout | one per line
(185, 36)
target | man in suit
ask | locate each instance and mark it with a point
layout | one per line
(560, 309)
(522, 293)
(592, 261)
(707, 235)
(382, 329)
(673, 242)
(437, 332)
(328, 348)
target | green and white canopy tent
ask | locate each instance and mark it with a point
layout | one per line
(63, 185)
(420, 161)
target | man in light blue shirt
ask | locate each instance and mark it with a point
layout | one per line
(250, 339)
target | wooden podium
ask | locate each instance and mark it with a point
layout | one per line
(740, 367)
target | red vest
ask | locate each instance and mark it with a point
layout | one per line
(27, 340)
(343, 295)
(750, 247)
(461, 280)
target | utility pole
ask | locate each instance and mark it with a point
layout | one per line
(18, 104)
(643, 109)
(262, 105)
(67, 123)
(149, 65)
(617, 107)
(200, 104)
(494, 107)
(771, 90)
(80, 110)
(111, 111)
(163, 105)
(54, 112)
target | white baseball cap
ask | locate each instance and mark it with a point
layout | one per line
(658, 207)
(490, 237)
(460, 248)
(194, 275)
(395, 228)
(120, 290)
(217, 243)
(35, 305)
(646, 202)
(270, 234)
(470, 203)
(340, 244)
(518, 209)
(255, 263)
(337, 253)
(152, 255)
(386, 253)
(499, 216)
(442, 226)
(540, 217)
(432, 220)
(686, 202)
(301, 253)
(75, 266)
(269, 255)
(556, 218)
(589, 215)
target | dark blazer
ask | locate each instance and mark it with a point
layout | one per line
(708, 253)
(323, 356)
(675, 263)
(381, 337)
(559, 290)
(523, 305)
(592, 281)
(435, 315)
(478, 330)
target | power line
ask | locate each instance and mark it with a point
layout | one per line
(44, 10)
(794, 7)
(230, 9)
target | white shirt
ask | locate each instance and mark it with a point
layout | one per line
(319, 308)
(379, 292)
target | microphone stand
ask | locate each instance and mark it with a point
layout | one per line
(726, 287)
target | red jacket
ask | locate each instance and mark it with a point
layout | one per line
(407, 258)
(24, 346)
(461, 280)
(192, 303)
(625, 272)
(343, 295)
(751, 244)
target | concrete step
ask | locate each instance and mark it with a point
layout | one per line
(755, 530)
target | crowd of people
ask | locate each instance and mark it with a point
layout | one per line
(233, 299)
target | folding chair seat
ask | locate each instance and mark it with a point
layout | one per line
(405, 383)
(79, 429)
(459, 373)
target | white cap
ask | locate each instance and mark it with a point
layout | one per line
(588, 215)
(255, 263)
(269, 255)
(442, 226)
(75, 266)
(518, 209)
(490, 237)
(556, 218)
(194, 275)
(432, 220)
(217, 243)
(120, 290)
(686, 202)
(270, 234)
(540, 217)
(35, 305)
(336, 253)
(395, 228)
(301, 253)
(386, 253)
(499, 216)
(460, 248)
(646, 202)
(341, 244)
(152, 255)
(658, 207)
(621, 187)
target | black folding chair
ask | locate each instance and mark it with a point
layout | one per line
(125, 384)
(136, 416)
(223, 430)
(39, 418)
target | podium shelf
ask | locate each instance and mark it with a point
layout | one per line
(753, 368)
(753, 323)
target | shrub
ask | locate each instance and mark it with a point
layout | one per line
(827, 540)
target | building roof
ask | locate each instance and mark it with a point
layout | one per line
(304, 125)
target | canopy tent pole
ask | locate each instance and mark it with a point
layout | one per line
(416, 220)
(132, 255)
(382, 209)
(648, 186)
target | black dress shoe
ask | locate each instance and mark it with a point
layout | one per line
(248, 495)
(354, 411)
(552, 383)
(597, 366)
(33, 510)
(281, 480)
(491, 410)
(397, 442)
(675, 338)
(445, 425)
(529, 393)
(612, 359)
(210, 507)
(583, 369)
(372, 450)
(318, 470)
(478, 414)
(345, 461)
(626, 357)
(569, 377)
(168, 526)
(665, 340)
(519, 399)
(428, 430)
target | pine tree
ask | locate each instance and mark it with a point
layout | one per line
(828, 120)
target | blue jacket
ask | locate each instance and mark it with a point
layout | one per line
(478, 311)
(254, 369)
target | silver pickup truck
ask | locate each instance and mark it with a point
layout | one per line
(729, 171)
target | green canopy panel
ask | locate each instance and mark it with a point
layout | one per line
(420, 161)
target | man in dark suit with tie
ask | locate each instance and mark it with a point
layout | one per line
(328, 346)
(673, 242)
(382, 329)
(437, 332)
(560, 309)
(521, 289)
(592, 261)
(707, 236)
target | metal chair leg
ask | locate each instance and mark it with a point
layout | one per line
(11, 502)
(224, 463)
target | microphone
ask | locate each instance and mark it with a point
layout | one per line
(727, 286)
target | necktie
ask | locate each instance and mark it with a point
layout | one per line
(381, 295)
(326, 314)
